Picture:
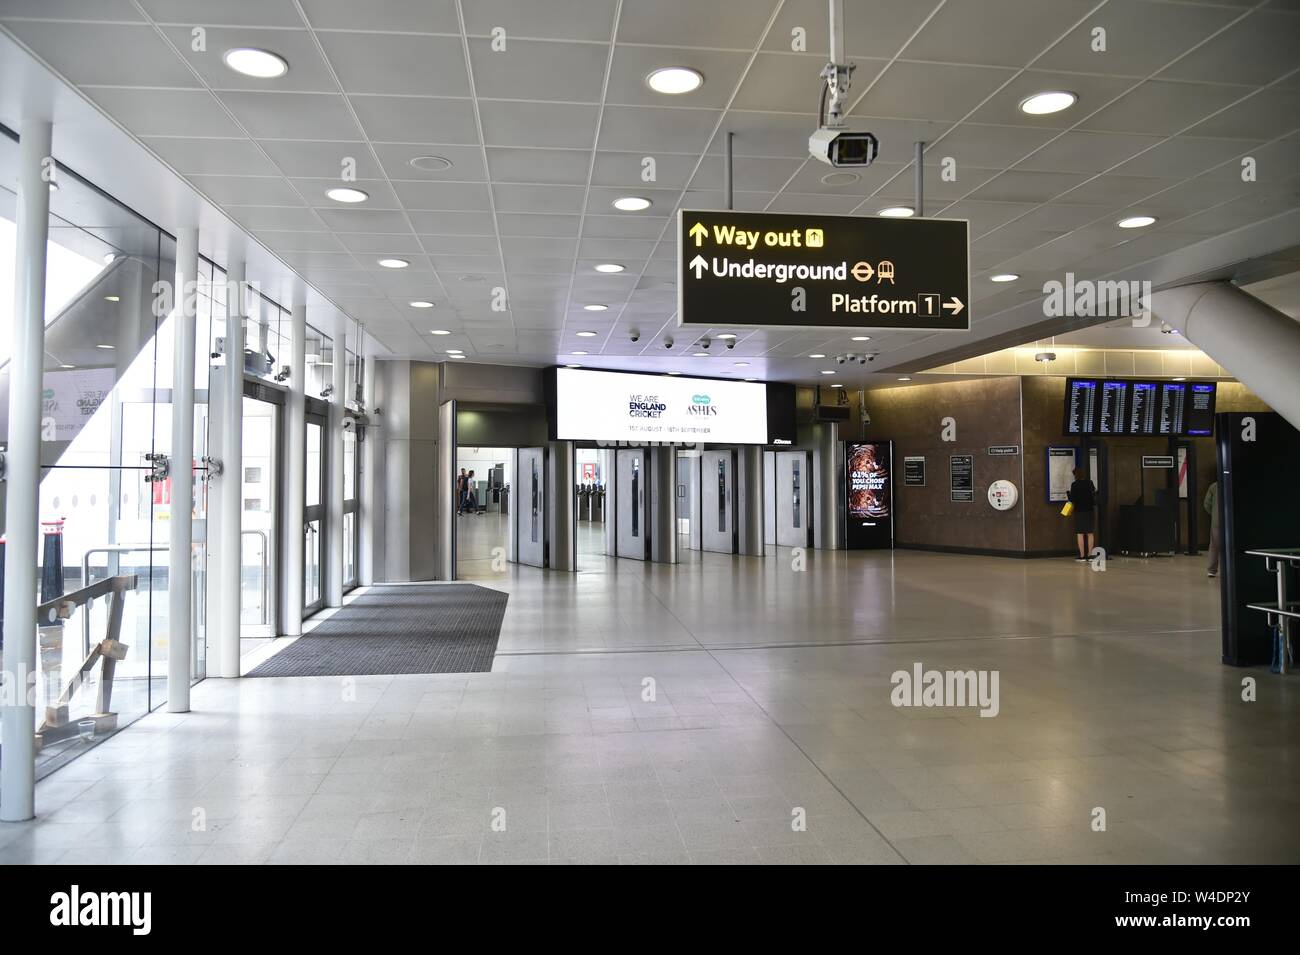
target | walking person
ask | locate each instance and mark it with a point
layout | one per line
(460, 491)
(1211, 505)
(1083, 495)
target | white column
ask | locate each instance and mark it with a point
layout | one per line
(23, 476)
(1257, 344)
(371, 452)
(826, 484)
(561, 509)
(334, 482)
(180, 526)
(231, 482)
(295, 472)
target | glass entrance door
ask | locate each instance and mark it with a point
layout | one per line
(313, 590)
(259, 528)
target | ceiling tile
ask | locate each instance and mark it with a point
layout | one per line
(250, 13)
(547, 19)
(292, 115)
(452, 223)
(1093, 92)
(726, 24)
(166, 112)
(930, 91)
(555, 166)
(879, 31)
(105, 54)
(410, 119)
(538, 124)
(450, 196)
(307, 69)
(1141, 37)
(1255, 117)
(1256, 50)
(248, 190)
(422, 16)
(632, 64)
(539, 70)
(1164, 108)
(466, 162)
(391, 63)
(321, 160)
(1183, 156)
(544, 199)
(994, 32)
(650, 129)
(231, 157)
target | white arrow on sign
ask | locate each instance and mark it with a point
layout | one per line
(955, 306)
(699, 264)
(698, 232)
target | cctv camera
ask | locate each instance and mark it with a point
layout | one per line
(705, 343)
(839, 359)
(634, 335)
(843, 147)
(871, 358)
(668, 343)
(862, 359)
(731, 343)
(1045, 356)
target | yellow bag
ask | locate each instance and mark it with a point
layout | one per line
(1068, 509)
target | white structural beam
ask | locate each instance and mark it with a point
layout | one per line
(23, 475)
(334, 480)
(295, 472)
(1256, 343)
(180, 524)
(230, 484)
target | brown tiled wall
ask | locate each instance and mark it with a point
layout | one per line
(987, 412)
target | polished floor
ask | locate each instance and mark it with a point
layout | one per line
(731, 710)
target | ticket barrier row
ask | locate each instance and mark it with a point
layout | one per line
(591, 502)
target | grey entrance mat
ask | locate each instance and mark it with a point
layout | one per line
(442, 628)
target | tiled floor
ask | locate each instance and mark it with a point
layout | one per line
(771, 708)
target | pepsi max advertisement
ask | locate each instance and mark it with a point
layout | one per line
(869, 495)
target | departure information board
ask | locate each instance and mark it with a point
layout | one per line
(1104, 406)
(1113, 406)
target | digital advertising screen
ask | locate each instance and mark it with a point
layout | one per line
(1198, 415)
(590, 405)
(869, 494)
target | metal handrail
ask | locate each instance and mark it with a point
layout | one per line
(85, 576)
(1276, 560)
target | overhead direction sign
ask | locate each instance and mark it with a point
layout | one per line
(768, 269)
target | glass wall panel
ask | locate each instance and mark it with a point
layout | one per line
(107, 384)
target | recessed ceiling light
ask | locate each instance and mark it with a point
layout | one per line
(105, 347)
(394, 263)
(897, 212)
(455, 351)
(674, 373)
(1050, 101)
(675, 80)
(112, 298)
(430, 163)
(751, 379)
(595, 308)
(260, 64)
(439, 331)
(572, 366)
(471, 278)
(836, 384)
(862, 338)
(1180, 378)
(827, 371)
(905, 379)
(700, 354)
(586, 334)
(577, 353)
(455, 356)
(724, 336)
(65, 365)
(741, 364)
(1136, 222)
(347, 194)
(631, 203)
(609, 267)
(840, 178)
(1004, 277)
(421, 303)
(817, 355)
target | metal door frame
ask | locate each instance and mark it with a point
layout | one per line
(517, 508)
(318, 513)
(272, 592)
(809, 514)
(645, 499)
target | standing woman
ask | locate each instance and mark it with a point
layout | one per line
(1084, 498)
